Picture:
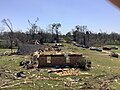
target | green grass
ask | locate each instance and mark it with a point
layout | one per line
(103, 66)
(117, 51)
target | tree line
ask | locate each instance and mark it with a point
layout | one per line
(80, 34)
(83, 36)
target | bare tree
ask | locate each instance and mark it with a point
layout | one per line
(55, 27)
(33, 29)
(8, 23)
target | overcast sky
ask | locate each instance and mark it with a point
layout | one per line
(96, 14)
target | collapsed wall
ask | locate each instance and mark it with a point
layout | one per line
(64, 60)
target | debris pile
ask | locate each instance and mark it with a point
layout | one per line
(113, 54)
(87, 86)
(21, 74)
(66, 72)
(27, 64)
(106, 48)
(26, 49)
(7, 53)
(105, 84)
(114, 48)
(6, 73)
(96, 49)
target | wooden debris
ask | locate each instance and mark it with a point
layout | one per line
(17, 84)
(68, 72)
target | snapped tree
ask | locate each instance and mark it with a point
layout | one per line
(8, 23)
(54, 28)
(33, 29)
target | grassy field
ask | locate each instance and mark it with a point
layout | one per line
(105, 69)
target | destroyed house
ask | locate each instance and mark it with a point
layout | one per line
(62, 60)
